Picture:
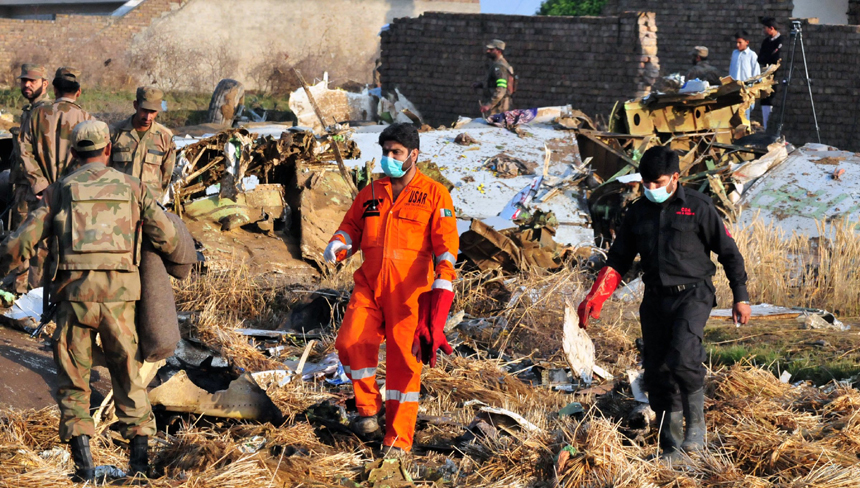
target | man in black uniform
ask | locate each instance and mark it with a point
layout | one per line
(674, 230)
(770, 53)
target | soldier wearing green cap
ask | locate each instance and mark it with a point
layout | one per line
(500, 83)
(142, 147)
(34, 87)
(93, 217)
(46, 144)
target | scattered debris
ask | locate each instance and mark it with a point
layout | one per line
(759, 311)
(819, 319)
(577, 345)
(801, 192)
(505, 166)
(464, 139)
(387, 473)
(26, 311)
(243, 399)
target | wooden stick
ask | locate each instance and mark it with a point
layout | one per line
(213, 162)
(337, 155)
(301, 365)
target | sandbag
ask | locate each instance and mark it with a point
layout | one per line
(180, 262)
(157, 323)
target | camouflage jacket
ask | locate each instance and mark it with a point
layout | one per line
(150, 159)
(705, 72)
(17, 175)
(46, 145)
(94, 218)
(496, 86)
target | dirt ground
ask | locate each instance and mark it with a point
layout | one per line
(30, 376)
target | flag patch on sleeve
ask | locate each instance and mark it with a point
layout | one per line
(444, 212)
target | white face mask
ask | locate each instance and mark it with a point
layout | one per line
(659, 195)
(392, 167)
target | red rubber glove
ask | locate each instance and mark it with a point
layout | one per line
(606, 283)
(423, 338)
(433, 308)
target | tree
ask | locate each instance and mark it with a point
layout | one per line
(571, 7)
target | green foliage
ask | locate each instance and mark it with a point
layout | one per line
(571, 7)
(803, 365)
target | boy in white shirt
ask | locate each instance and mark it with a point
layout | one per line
(744, 62)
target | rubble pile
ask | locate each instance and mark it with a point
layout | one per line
(719, 153)
(284, 188)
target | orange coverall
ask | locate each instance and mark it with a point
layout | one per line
(409, 245)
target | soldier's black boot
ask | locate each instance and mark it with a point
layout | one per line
(138, 456)
(84, 469)
(671, 435)
(694, 413)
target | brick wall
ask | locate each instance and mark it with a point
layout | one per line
(832, 52)
(83, 41)
(710, 23)
(587, 62)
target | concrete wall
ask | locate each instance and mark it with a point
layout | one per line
(588, 62)
(826, 11)
(174, 42)
(340, 36)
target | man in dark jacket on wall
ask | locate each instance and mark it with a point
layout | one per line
(769, 54)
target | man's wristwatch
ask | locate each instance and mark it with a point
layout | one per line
(745, 302)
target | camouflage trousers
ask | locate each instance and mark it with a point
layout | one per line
(503, 106)
(78, 323)
(28, 277)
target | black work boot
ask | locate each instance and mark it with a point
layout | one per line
(138, 456)
(84, 469)
(694, 413)
(671, 435)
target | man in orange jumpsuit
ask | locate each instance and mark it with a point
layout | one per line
(406, 227)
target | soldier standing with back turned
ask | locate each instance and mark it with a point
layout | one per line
(142, 147)
(95, 216)
(499, 85)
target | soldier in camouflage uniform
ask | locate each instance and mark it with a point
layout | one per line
(497, 87)
(34, 87)
(702, 69)
(45, 147)
(142, 147)
(94, 217)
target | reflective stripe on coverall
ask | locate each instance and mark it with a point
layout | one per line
(408, 245)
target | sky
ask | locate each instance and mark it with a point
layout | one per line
(511, 7)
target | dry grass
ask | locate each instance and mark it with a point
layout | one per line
(798, 270)
(761, 433)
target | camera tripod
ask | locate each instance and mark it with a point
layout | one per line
(797, 36)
